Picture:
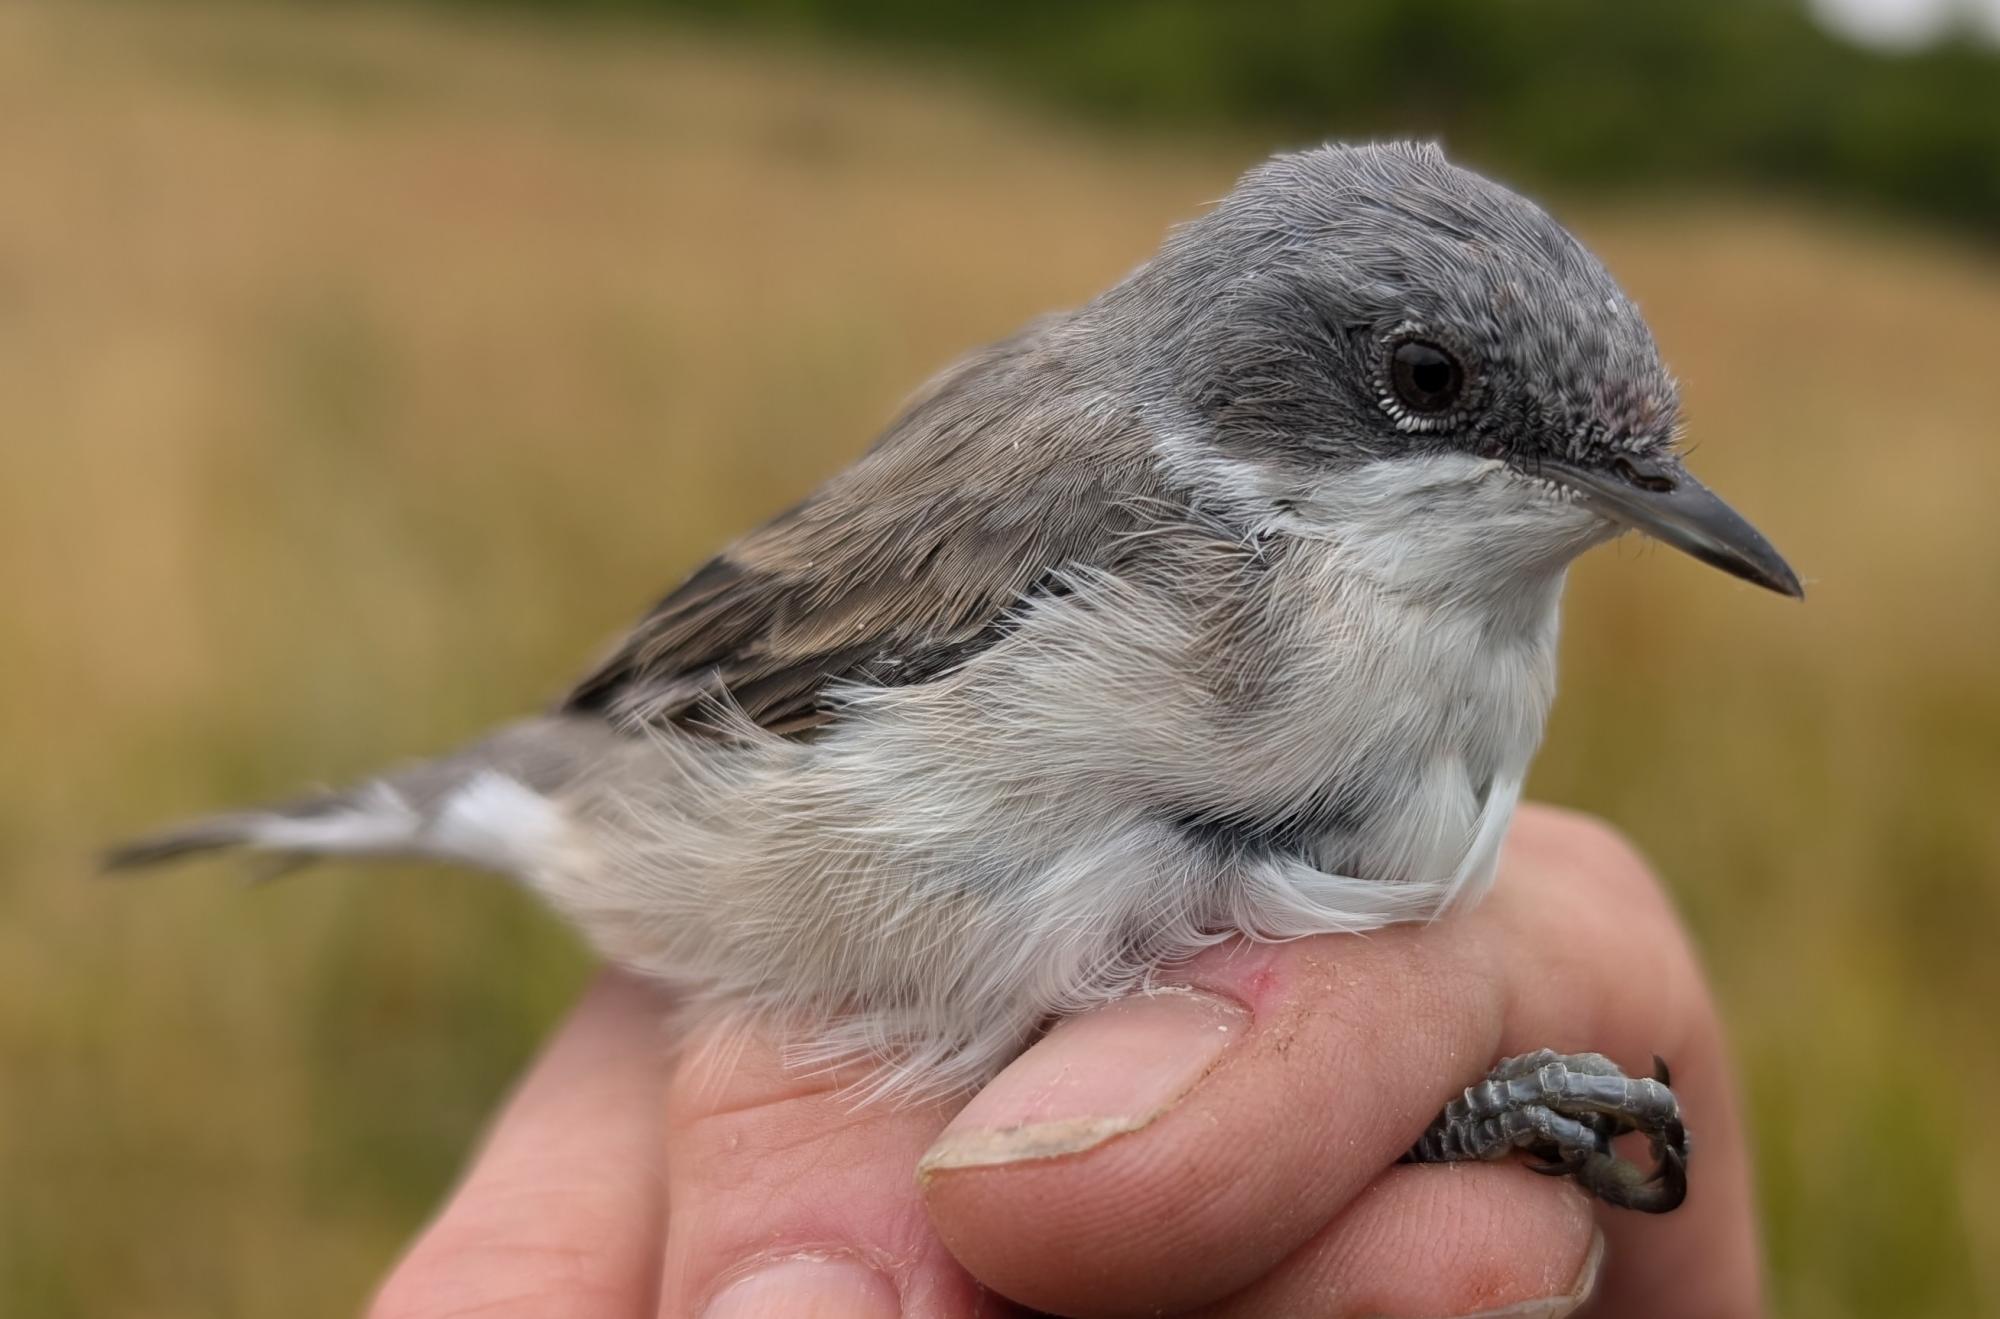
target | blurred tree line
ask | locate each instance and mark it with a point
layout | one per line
(1598, 92)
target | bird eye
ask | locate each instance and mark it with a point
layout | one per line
(1427, 379)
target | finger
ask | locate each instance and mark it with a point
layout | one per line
(1482, 1240)
(1703, 1257)
(791, 1202)
(1087, 1188)
(562, 1209)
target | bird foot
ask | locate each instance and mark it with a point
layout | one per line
(1565, 1110)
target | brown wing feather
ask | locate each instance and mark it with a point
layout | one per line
(905, 564)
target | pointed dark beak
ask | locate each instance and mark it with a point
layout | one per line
(1658, 496)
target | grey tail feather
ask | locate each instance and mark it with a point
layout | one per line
(229, 831)
(210, 834)
(392, 815)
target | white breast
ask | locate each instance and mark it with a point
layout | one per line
(1420, 607)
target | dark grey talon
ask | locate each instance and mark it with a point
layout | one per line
(1564, 1110)
(1619, 1182)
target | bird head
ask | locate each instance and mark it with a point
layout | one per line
(1373, 337)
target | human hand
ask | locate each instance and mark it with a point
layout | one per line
(1225, 1150)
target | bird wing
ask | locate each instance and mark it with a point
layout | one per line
(1005, 472)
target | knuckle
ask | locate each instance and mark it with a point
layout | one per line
(1593, 848)
(496, 1270)
(433, 1283)
(732, 1074)
(411, 1291)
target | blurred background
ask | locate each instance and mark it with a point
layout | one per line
(362, 369)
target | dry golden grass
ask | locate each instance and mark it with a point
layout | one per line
(358, 374)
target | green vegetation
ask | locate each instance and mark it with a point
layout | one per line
(1553, 91)
(360, 371)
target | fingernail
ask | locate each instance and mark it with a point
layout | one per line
(1094, 1077)
(808, 1289)
(1555, 1307)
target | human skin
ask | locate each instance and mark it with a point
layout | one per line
(1225, 1146)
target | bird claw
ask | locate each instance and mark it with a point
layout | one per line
(1619, 1182)
(1565, 1111)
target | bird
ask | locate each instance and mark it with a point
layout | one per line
(1226, 603)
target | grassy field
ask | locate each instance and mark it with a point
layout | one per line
(360, 374)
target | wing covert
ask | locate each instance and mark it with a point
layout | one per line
(899, 568)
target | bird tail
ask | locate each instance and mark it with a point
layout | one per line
(492, 805)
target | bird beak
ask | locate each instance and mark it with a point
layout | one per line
(1658, 496)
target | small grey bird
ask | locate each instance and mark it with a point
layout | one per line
(1227, 602)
